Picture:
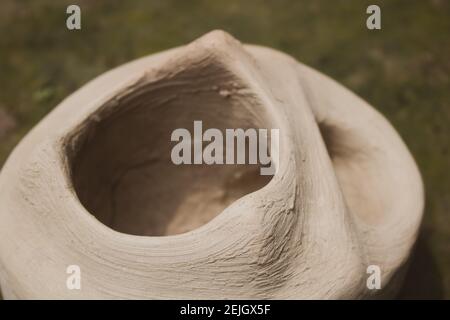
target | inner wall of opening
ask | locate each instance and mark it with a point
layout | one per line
(123, 173)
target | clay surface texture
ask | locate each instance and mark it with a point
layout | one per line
(93, 185)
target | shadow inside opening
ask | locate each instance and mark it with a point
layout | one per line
(121, 163)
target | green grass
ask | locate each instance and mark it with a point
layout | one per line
(403, 70)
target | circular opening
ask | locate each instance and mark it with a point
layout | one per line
(122, 169)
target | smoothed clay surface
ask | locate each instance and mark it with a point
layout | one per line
(92, 185)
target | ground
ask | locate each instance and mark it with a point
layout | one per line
(403, 70)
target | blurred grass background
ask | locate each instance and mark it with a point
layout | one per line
(403, 70)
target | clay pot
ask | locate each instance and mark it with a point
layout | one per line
(92, 185)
